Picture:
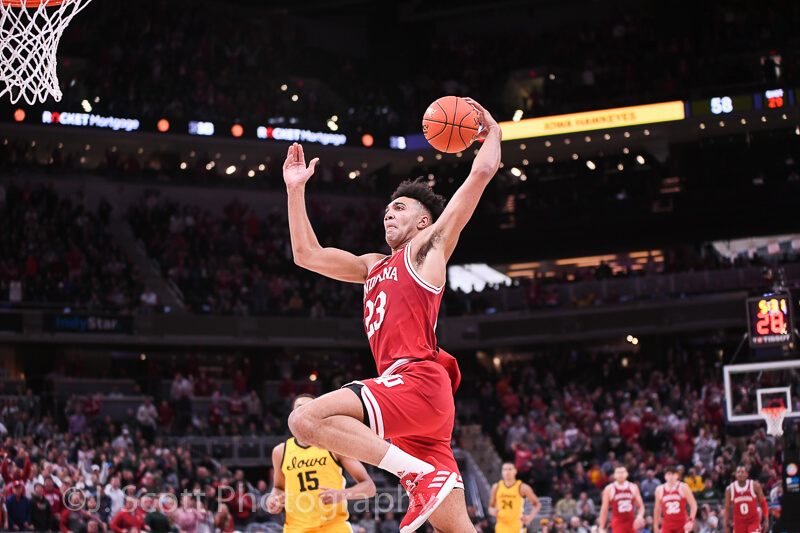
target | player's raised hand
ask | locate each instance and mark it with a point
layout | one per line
(329, 496)
(487, 121)
(295, 171)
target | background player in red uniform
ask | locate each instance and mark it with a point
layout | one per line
(621, 496)
(412, 401)
(742, 497)
(671, 500)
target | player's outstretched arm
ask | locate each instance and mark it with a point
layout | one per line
(461, 206)
(528, 493)
(277, 498)
(308, 253)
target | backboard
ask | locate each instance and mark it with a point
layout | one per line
(752, 386)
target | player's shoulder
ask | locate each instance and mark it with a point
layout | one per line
(278, 452)
(370, 260)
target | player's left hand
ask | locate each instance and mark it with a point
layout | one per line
(527, 518)
(329, 496)
(688, 526)
(765, 525)
(487, 121)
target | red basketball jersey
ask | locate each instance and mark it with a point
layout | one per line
(673, 506)
(400, 311)
(744, 501)
(622, 502)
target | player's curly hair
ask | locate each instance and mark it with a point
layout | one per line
(419, 190)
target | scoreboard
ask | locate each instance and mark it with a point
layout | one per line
(733, 103)
(769, 320)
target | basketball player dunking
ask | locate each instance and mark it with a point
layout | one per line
(411, 402)
(671, 500)
(621, 496)
(743, 497)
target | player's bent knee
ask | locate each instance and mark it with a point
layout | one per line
(302, 425)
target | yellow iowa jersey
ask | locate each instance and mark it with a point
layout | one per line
(306, 469)
(509, 502)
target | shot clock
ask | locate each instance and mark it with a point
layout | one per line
(769, 320)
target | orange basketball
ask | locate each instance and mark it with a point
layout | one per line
(450, 124)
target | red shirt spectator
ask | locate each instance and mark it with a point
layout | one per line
(684, 446)
(91, 406)
(126, 519)
(165, 415)
(53, 495)
(242, 505)
(9, 476)
(630, 429)
(215, 413)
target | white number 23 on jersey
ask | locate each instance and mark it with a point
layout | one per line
(375, 313)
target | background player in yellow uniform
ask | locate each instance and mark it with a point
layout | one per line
(309, 484)
(508, 500)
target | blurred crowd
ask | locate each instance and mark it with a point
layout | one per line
(55, 252)
(566, 429)
(234, 262)
(250, 62)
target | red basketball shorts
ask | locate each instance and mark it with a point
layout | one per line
(673, 528)
(747, 526)
(622, 526)
(414, 408)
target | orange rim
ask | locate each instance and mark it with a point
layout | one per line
(773, 412)
(32, 3)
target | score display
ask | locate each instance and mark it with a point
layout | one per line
(769, 320)
(722, 105)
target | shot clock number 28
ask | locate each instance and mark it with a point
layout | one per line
(769, 320)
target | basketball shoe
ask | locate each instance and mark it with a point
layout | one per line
(425, 493)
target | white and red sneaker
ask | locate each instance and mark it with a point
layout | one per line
(425, 493)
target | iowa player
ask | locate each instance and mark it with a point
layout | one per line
(508, 500)
(309, 484)
(742, 499)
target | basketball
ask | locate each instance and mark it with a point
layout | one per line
(450, 124)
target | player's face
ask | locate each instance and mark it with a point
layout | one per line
(401, 219)
(509, 472)
(620, 475)
(741, 474)
(671, 477)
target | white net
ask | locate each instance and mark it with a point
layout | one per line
(29, 34)
(774, 417)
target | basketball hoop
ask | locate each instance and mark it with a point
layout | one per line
(29, 34)
(774, 416)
